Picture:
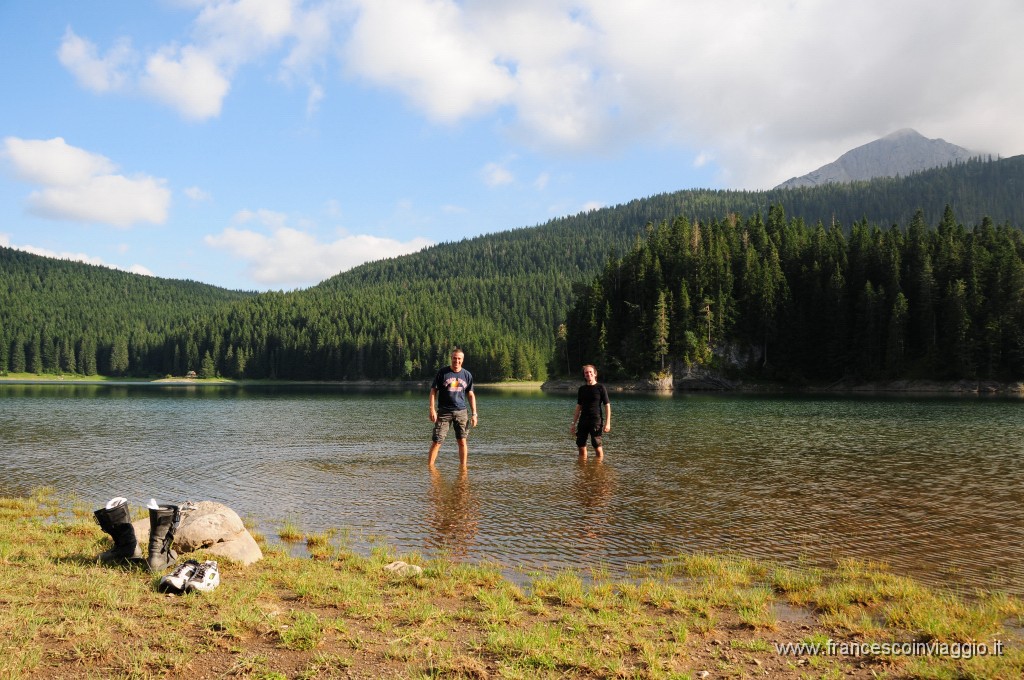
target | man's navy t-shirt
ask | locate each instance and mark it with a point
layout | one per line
(452, 387)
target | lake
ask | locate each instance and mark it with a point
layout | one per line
(932, 486)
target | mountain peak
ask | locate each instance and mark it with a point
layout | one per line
(899, 153)
(905, 132)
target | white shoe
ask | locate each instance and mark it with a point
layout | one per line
(205, 578)
(177, 580)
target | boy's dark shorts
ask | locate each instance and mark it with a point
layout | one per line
(592, 430)
(458, 419)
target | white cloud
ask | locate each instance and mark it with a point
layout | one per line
(762, 90)
(54, 161)
(432, 52)
(139, 269)
(495, 175)
(591, 206)
(280, 255)
(81, 186)
(316, 95)
(194, 76)
(93, 72)
(108, 199)
(188, 80)
(750, 84)
(542, 180)
(74, 257)
(197, 194)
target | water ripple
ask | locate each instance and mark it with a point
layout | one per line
(931, 486)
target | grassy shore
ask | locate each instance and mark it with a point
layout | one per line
(340, 614)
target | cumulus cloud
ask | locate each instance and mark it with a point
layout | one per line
(765, 90)
(81, 186)
(92, 71)
(194, 76)
(277, 254)
(188, 80)
(431, 51)
(5, 241)
(197, 194)
(495, 175)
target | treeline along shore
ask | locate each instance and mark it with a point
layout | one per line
(774, 298)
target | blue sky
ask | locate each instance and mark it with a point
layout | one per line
(270, 144)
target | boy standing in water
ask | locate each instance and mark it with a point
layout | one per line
(593, 415)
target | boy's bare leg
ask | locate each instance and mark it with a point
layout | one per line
(432, 455)
(463, 453)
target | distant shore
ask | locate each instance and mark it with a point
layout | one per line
(37, 379)
(694, 383)
(710, 383)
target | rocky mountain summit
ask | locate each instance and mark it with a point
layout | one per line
(897, 154)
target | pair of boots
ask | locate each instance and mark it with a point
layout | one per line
(115, 519)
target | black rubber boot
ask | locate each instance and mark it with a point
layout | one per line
(163, 522)
(117, 521)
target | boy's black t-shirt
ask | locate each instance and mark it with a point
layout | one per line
(592, 398)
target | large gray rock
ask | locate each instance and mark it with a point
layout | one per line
(213, 527)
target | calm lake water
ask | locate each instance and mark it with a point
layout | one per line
(932, 486)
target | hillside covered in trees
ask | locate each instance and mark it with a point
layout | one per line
(799, 302)
(501, 296)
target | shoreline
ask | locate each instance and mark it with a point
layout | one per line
(340, 613)
(704, 383)
(714, 384)
(31, 379)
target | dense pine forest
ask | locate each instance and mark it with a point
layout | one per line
(525, 303)
(796, 302)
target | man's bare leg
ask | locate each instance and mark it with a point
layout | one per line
(463, 453)
(583, 453)
(432, 455)
(600, 452)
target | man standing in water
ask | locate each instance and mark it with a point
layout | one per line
(593, 415)
(451, 387)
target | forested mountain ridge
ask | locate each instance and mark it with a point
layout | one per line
(773, 297)
(501, 296)
(974, 190)
(59, 315)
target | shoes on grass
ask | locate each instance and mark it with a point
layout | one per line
(205, 578)
(191, 576)
(177, 580)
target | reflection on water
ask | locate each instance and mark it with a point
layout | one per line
(454, 513)
(931, 486)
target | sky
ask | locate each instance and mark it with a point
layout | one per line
(271, 144)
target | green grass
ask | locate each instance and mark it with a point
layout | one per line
(338, 613)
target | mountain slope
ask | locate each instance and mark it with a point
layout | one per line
(898, 154)
(501, 296)
(64, 316)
